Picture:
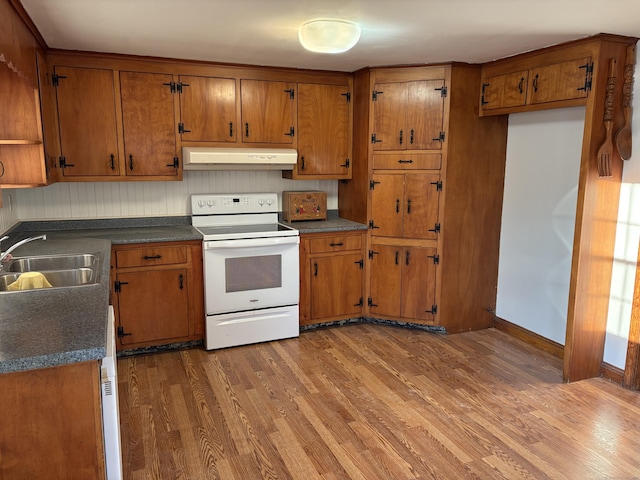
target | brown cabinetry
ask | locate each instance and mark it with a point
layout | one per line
(52, 423)
(324, 132)
(403, 282)
(158, 293)
(148, 121)
(267, 112)
(538, 84)
(408, 115)
(331, 276)
(86, 99)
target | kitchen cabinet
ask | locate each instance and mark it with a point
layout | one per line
(403, 282)
(95, 150)
(437, 203)
(52, 423)
(158, 293)
(507, 89)
(331, 276)
(408, 115)
(148, 122)
(22, 162)
(405, 205)
(267, 110)
(208, 109)
(324, 132)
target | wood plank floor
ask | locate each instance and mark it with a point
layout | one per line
(373, 402)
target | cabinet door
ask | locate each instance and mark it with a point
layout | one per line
(153, 305)
(418, 283)
(502, 91)
(148, 123)
(385, 280)
(387, 206)
(336, 285)
(323, 130)
(561, 81)
(425, 113)
(389, 116)
(267, 111)
(421, 203)
(87, 119)
(208, 109)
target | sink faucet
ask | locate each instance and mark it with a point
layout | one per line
(6, 255)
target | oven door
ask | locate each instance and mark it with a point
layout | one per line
(251, 274)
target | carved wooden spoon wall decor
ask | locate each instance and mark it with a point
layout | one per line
(623, 136)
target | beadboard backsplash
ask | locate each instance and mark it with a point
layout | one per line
(62, 201)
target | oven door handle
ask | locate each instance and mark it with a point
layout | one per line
(251, 242)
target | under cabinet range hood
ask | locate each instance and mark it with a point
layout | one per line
(209, 158)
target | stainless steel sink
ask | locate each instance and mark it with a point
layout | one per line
(72, 277)
(44, 263)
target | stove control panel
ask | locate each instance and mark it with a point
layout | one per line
(224, 204)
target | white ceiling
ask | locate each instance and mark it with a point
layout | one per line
(264, 32)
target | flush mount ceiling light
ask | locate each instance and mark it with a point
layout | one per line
(329, 36)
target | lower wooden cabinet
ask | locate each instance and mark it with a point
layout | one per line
(403, 283)
(52, 423)
(331, 276)
(157, 292)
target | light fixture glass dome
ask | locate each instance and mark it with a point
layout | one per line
(329, 36)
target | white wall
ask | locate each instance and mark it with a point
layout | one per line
(8, 212)
(538, 218)
(150, 199)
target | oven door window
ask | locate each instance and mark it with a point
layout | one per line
(253, 273)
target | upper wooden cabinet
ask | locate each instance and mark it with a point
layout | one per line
(148, 123)
(208, 109)
(408, 115)
(95, 150)
(324, 132)
(267, 112)
(535, 85)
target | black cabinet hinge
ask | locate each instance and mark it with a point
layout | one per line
(438, 185)
(436, 228)
(588, 76)
(372, 253)
(122, 333)
(173, 88)
(439, 138)
(175, 164)
(372, 184)
(291, 92)
(117, 286)
(62, 161)
(180, 85)
(360, 303)
(55, 79)
(291, 132)
(483, 102)
(181, 129)
(434, 309)
(370, 302)
(346, 164)
(347, 96)
(374, 95)
(436, 258)
(361, 263)
(372, 225)
(443, 91)
(374, 138)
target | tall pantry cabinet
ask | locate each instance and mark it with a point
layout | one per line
(428, 177)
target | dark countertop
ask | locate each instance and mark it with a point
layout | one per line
(49, 327)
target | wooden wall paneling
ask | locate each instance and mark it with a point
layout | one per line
(632, 367)
(596, 218)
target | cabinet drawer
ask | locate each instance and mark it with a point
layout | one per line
(141, 257)
(335, 244)
(423, 161)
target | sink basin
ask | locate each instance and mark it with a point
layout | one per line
(72, 277)
(44, 263)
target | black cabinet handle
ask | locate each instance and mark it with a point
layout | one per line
(411, 135)
(397, 257)
(302, 160)
(339, 244)
(154, 257)
(246, 129)
(231, 129)
(397, 205)
(535, 83)
(521, 84)
(130, 162)
(315, 267)
(405, 161)
(409, 205)
(181, 281)
(113, 163)
(406, 257)
(401, 133)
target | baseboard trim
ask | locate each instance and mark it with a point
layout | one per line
(530, 337)
(612, 373)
